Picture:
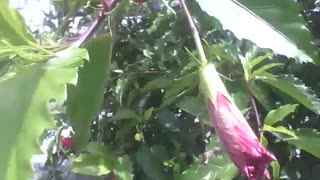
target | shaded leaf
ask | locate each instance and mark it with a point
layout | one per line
(147, 114)
(192, 105)
(125, 114)
(217, 50)
(97, 148)
(294, 88)
(158, 83)
(122, 86)
(178, 85)
(149, 163)
(279, 114)
(23, 109)
(85, 99)
(168, 120)
(308, 140)
(262, 94)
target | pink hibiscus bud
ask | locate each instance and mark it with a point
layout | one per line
(237, 138)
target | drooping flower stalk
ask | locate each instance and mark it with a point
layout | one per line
(234, 132)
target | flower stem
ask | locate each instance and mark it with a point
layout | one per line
(91, 29)
(256, 113)
(195, 34)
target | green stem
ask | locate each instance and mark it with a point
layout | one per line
(66, 21)
(36, 46)
(195, 34)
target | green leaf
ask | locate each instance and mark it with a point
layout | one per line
(179, 86)
(219, 167)
(305, 138)
(259, 59)
(158, 83)
(85, 99)
(98, 160)
(168, 120)
(25, 52)
(122, 86)
(217, 50)
(270, 21)
(279, 114)
(294, 88)
(125, 114)
(279, 129)
(147, 114)
(123, 168)
(151, 166)
(192, 105)
(308, 140)
(262, 94)
(246, 68)
(24, 113)
(264, 140)
(13, 28)
(275, 169)
(97, 148)
(89, 164)
(264, 68)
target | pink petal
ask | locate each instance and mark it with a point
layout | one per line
(238, 139)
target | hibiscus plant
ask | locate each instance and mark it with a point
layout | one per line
(161, 89)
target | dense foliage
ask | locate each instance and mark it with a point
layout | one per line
(125, 77)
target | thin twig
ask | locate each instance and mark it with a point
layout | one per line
(195, 34)
(256, 113)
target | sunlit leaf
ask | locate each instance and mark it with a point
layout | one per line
(259, 59)
(264, 68)
(24, 113)
(279, 114)
(275, 169)
(278, 129)
(13, 28)
(273, 24)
